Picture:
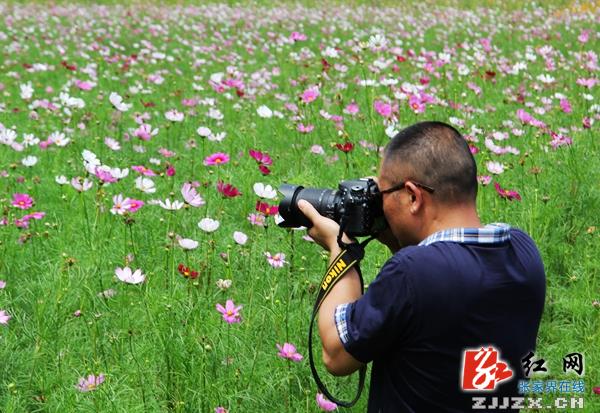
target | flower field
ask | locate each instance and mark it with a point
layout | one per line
(141, 147)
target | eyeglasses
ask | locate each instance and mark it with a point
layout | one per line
(401, 185)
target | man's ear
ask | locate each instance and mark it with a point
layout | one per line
(416, 196)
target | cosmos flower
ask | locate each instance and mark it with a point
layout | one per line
(277, 260)
(81, 184)
(228, 190)
(218, 158)
(145, 132)
(4, 317)
(208, 224)
(90, 383)
(266, 209)
(506, 194)
(127, 276)
(190, 196)
(145, 185)
(310, 95)
(325, 404)
(264, 112)
(187, 243)
(264, 191)
(288, 351)
(22, 201)
(495, 167)
(240, 238)
(170, 205)
(187, 272)
(118, 103)
(120, 205)
(230, 312)
(174, 115)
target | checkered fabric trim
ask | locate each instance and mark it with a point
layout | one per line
(491, 234)
(340, 322)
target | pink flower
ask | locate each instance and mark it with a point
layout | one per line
(257, 219)
(34, 215)
(2, 284)
(143, 170)
(266, 209)
(305, 128)
(216, 159)
(231, 313)
(565, 105)
(559, 140)
(384, 109)
(484, 179)
(104, 175)
(135, 204)
(505, 193)
(240, 238)
(145, 132)
(190, 196)
(170, 170)
(4, 317)
(90, 383)
(22, 201)
(317, 149)
(166, 153)
(83, 85)
(416, 104)
(288, 351)
(584, 36)
(325, 404)
(589, 83)
(351, 109)
(297, 37)
(596, 390)
(277, 260)
(310, 95)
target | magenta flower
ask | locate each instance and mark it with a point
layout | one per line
(90, 383)
(135, 204)
(565, 105)
(325, 404)
(288, 351)
(297, 36)
(230, 312)
(310, 95)
(352, 109)
(505, 193)
(596, 390)
(416, 104)
(22, 201)
(4, 317)
(216, 159)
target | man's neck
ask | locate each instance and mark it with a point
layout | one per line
(456, 217)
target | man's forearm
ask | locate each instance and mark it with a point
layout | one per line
(346, 290)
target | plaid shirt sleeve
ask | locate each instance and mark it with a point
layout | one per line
(341, 323)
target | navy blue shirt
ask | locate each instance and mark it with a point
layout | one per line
(459, 289)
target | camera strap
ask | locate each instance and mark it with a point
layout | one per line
(348, 258)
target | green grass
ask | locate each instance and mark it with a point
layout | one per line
(162, 345)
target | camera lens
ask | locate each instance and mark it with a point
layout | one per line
(324, 201)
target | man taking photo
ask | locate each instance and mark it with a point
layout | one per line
(452, 284)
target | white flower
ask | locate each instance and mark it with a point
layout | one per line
(264, 191)
(240, 237)
(119, 173)
(29, 160)
(187, 243)
(217, 137)
(125, 275)
(61, 180)
(391, 131)
(120, 205)
(215, 114)
(26, 91)
(59, 139)
(330, 52)
(494, 167)
(190, 195)
(264, 112)
(118, 103)
(545, 78)
(29, 139)
(223, 284)
(174, 115)
(377, 42)
(208, 224)
(203, 131)
(145, 185)
(7, 136)
(171, 206)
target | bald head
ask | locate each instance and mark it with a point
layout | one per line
(434, 154)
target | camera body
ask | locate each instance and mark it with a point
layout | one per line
(356, 205)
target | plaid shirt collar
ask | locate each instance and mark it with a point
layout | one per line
(490, 234)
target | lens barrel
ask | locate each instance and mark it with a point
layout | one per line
(324, 201)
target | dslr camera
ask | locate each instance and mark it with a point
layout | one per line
(356, 206)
